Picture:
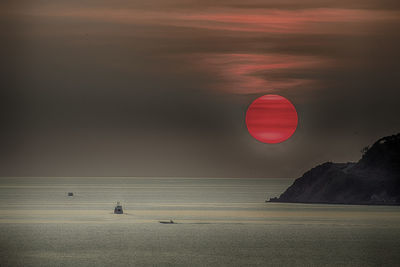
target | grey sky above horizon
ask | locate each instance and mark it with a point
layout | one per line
(160, 88)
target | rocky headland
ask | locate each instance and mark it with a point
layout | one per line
(373, 180)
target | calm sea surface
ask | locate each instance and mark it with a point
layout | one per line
(220, 222)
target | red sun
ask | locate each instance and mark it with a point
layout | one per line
(271, 119)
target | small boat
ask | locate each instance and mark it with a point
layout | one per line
(167, 222)
(118, 209)
(70, 194)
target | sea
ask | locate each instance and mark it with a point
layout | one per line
(218, 222)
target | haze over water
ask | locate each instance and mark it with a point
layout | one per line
(220, 222)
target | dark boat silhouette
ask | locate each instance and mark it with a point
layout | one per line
(70, 194)
(167, 222)
(118, 209)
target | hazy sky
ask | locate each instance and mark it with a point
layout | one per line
(160, 88)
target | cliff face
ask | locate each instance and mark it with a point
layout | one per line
(375, 179)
